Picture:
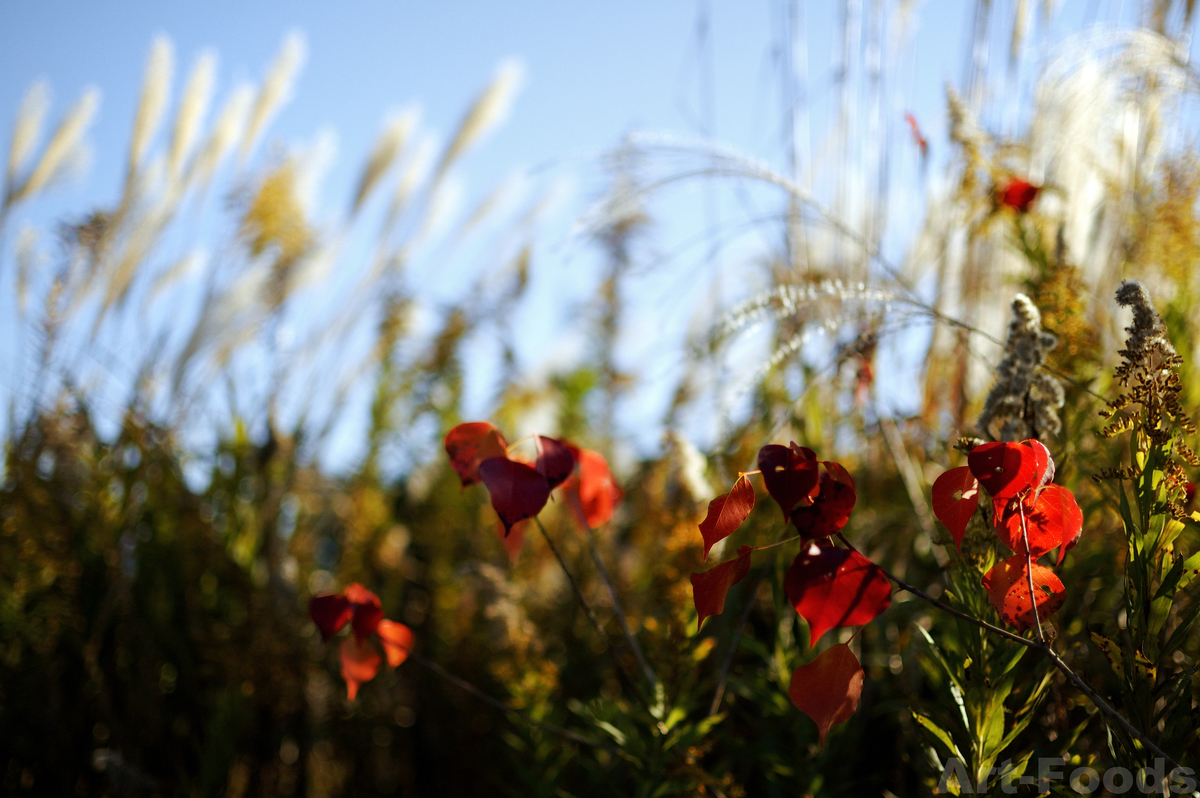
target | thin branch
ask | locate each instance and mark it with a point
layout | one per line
(616, 604)
(622, 674)
(1029, 571)
(737, 638)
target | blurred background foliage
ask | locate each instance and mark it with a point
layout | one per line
(154, 572)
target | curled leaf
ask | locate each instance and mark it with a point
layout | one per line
(517, 490)
(594, 494)
(330, 613)
(709, 588)
(360, 663)
(1007, 585)
(397, 641)
(726, 513)
(830, 509)
(1004, 469)
(555, 461)
(790, 474)
(1052, 520)
(832, 587)
(828, 688)
(470, 444)
(367, 611)
(1043, 463)
(955, 498)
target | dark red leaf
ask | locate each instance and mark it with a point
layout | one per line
(726, 513)
(1052, 520)
(1017, 194)
(1007, 585)
(518, 491)
(790, 474)
(1004, 469)
(830, 510)
(555, 461)
(593, 493)
(955, 498)
(470, 444)
(397, 641)
(330, 613)
(828, 688)
(360, 663)
(709, 588)
(833, 587)
(367, 610)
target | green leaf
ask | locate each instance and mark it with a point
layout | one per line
(1109, 648)
(938, 732)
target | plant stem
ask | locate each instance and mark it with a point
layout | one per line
(624, 676)
(1029, 571)
(616, 604)
(737, 637)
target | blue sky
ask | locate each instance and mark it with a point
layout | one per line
(594, 73)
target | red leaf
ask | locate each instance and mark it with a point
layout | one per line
(397, 641)
(726, 513)
(709, 588)
(367, 610)
(833, 587)
(555, 461)
(1017, 194)
(831, 508)
(513, 540)
(790, 475)
(955, 497)
(828, 688)
(1007, 585)
(1052, 520)
(518, 491)
(1004, 469)
(594, 494)
(1043, 463)
(330, 613)
(360, 663)
(470, 444)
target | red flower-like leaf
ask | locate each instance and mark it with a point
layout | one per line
(828, 688)
(833, 587)
(1007, 585)
(470, 444)
(1043, 463)
(518, 491)
(726, 513)
(955, 498)
(367, 610)
(1017, 194)
(397, 641)
(555, 461)
(593, 493)
(1004, 469)
(1052, 520)
(830, 510)
(360, 663)
(512, 539)
(330, 613)
(709, 588)
(790, 474)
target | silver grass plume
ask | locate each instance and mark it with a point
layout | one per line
(276, 89)
(193, 105)
(1025, 400)
(488, 111)
(387, 149)
(27, 128)
(156, 87)
(64, 145)
(228, 128)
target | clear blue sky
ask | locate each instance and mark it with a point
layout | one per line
(595, 72)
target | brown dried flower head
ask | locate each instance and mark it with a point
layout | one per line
(1024, 401)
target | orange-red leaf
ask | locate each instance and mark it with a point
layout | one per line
(830, 509)
(828, 688)
(555, 461)
(360, 663)
(1004, 469)
(955, 498)
(330, 613)
(726, 513)
(1007, 585)
(1017, 194)
(470, 444)
(512, 539)
(790, 474)
(1043, 463)
(518, 491)
(709, 588)
(367, 610)
(1052, 520)
(833, 587)
(397, 641)
(594, 494)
